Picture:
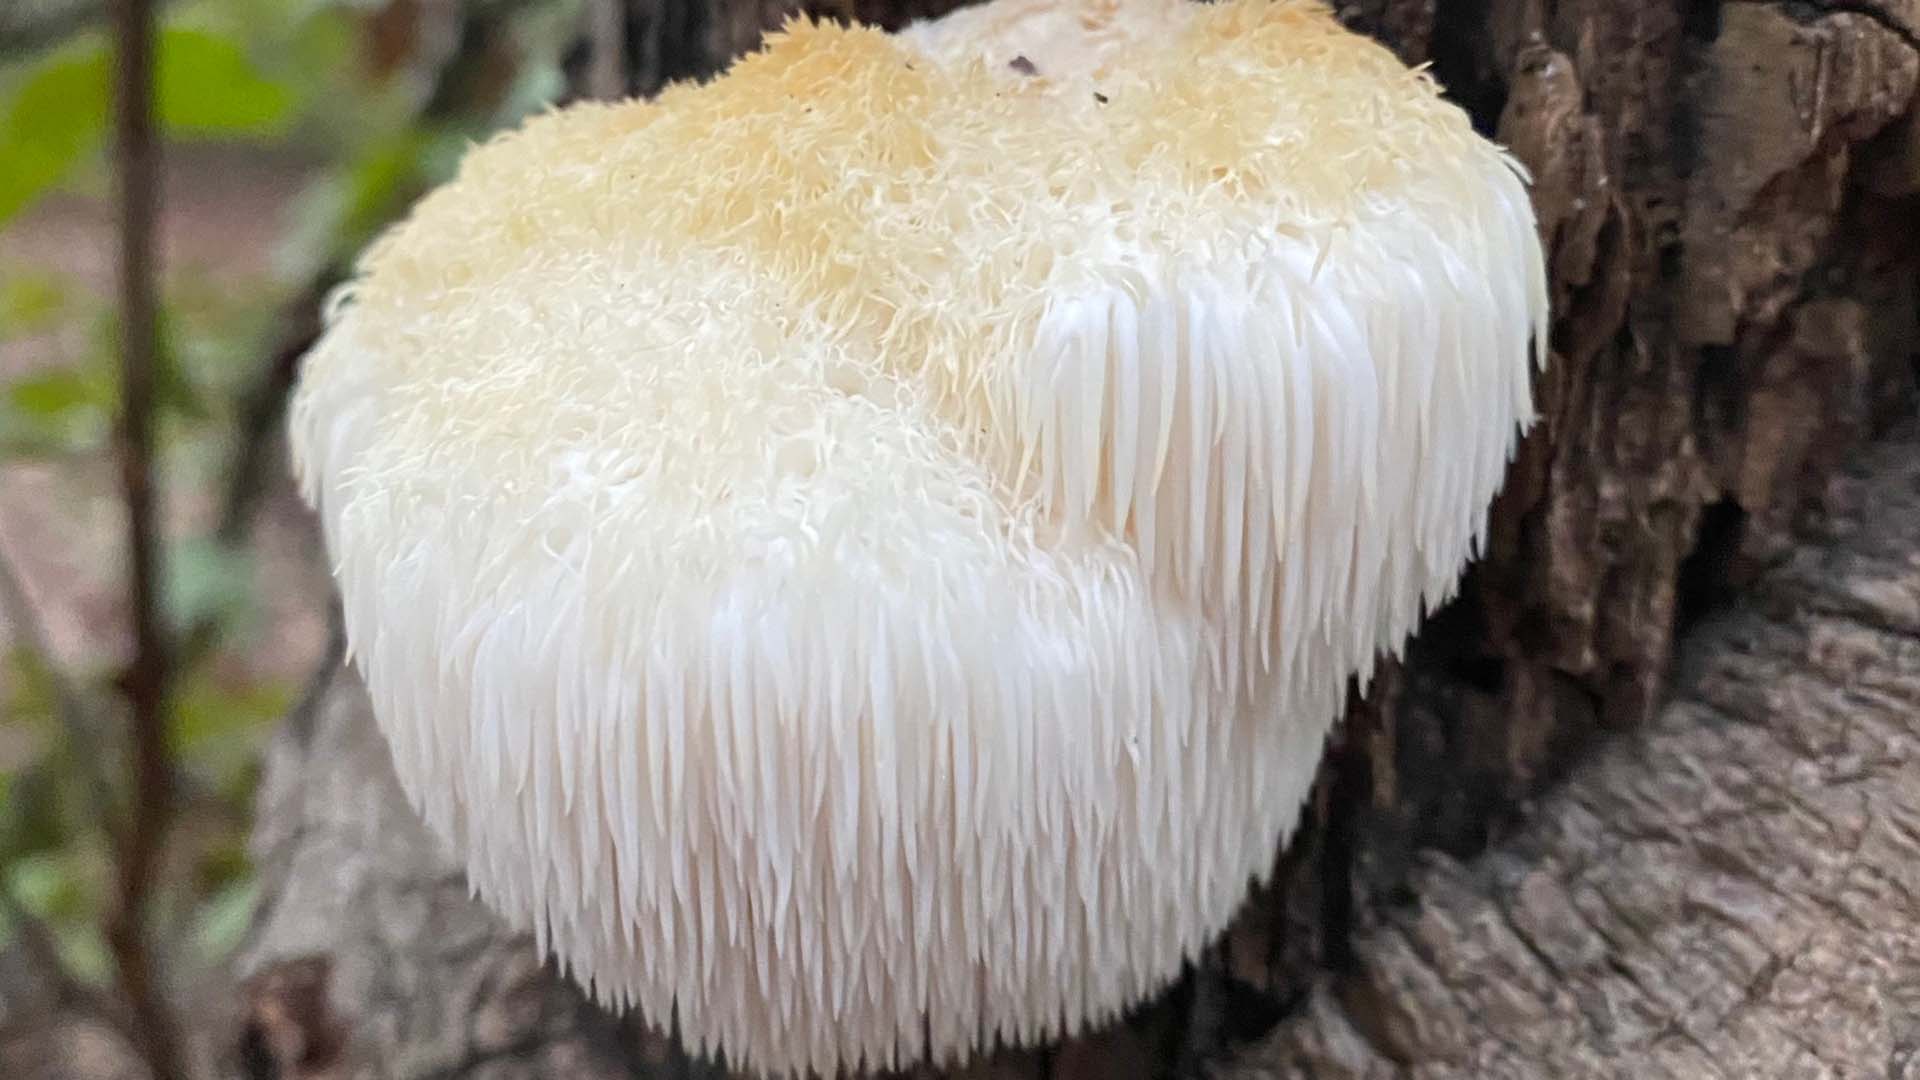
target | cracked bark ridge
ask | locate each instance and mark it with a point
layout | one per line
(1733, 891)
(1729, 192)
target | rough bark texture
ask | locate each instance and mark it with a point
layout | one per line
(1730, 195)
(1732, 891)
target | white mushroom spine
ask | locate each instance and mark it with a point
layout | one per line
(856, 711)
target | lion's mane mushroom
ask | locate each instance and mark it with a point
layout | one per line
(861, 556)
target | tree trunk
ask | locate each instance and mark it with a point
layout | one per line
(1730, 197)
(1732, 891)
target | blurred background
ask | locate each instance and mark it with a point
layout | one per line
(290, 131)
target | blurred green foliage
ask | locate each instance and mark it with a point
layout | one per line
(378, 100)
(58, 114)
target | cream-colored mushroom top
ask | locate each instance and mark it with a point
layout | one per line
(861, 556)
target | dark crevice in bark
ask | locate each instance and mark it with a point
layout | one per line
(657, 48)
(1454, 641)
(1707, 578)
(1349, 798)
(1463, 64)
(1703, 20)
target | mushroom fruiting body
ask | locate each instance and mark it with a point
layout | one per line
(860, 556)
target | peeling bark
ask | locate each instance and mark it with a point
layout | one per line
(1729, 193)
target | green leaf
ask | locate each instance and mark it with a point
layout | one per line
(40, 883)
(63, 889)
(58, 885)
(28, 692)
(47, 801)
(206, 581)
(210, 716)
(53, 393)
(31, 301)
(55, 118)
(224, 919)
(37, 818)
(57, 411)
(218, 728)
(85, 950)
(173, 389)
(26, 731)
(206, 86)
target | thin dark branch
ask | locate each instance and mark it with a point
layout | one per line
(78, 720)
(146, 682)
(264, 405)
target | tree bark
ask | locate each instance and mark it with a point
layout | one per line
(1732, 891)
(1729, 192)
